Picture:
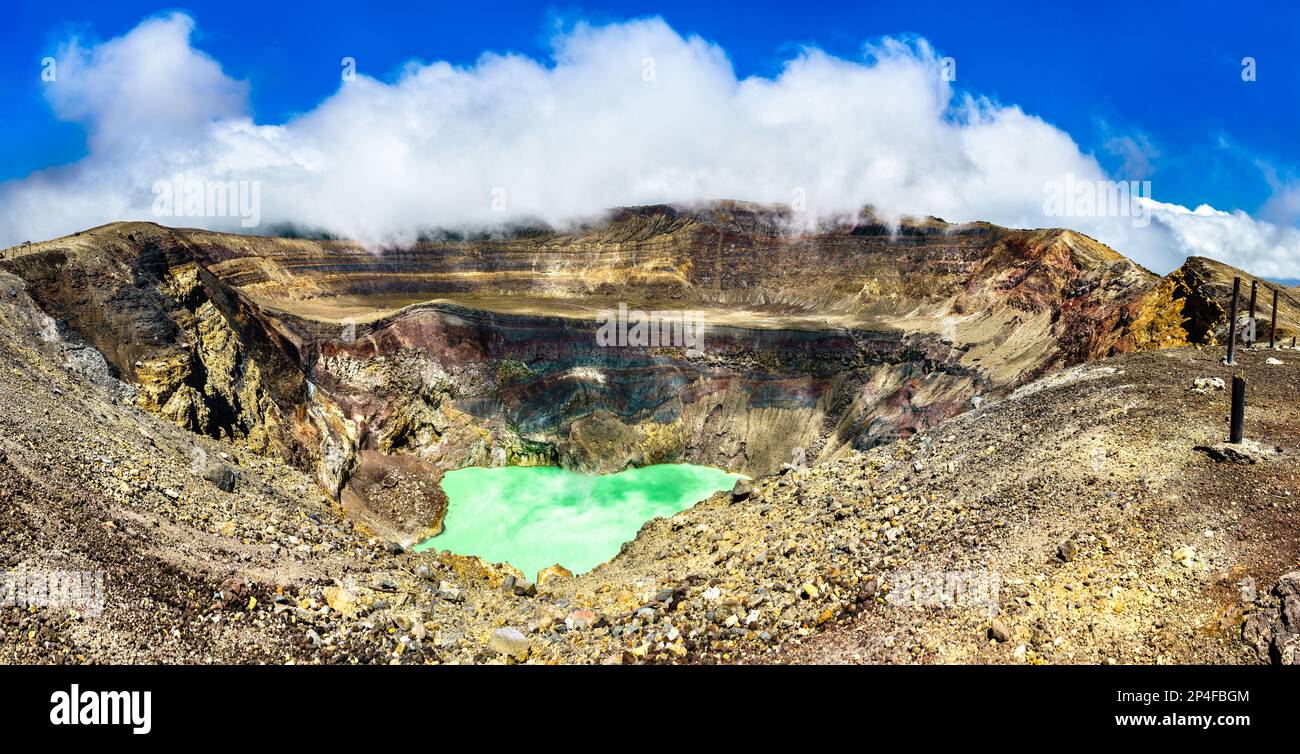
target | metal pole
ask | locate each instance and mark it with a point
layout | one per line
(1238, 408)
(1232, 322)
(1254, 284)
(1272, 330)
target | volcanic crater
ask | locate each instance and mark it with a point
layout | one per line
(370, 373)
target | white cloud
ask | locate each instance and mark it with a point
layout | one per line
(147, 90)
(626, 113)
(1260, 247)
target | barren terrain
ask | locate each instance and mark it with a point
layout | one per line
(1024, 409)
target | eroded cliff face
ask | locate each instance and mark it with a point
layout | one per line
(193, 351)
(380, 370)
(468, 386)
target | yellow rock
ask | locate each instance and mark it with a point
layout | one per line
(554, 572)
(340, 599)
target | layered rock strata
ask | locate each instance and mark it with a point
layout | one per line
(378, 369)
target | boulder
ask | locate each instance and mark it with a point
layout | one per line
(1273, 631)
(449, 591)
(580, 620)
(510, 642)
(556, 571)
(340, 599)
(1206, 385)
(221, 476)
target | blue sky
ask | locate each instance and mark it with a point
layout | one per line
(1094, 69)
(1150, 91)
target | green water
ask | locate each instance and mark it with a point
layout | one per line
(534, 517)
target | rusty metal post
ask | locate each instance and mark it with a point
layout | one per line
(1238, 408)
(1272, 329)
(1232, 322)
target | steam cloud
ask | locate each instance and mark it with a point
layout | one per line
(623, 114)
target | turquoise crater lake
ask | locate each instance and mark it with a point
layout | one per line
(533, 517)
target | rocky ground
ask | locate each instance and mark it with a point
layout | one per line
(379, 372)
(1109, 535)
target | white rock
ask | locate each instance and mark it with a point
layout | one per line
(1208, 384)
(510, 642)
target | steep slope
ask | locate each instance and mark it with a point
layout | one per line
(1082, 491)
(1098, 501)
(1204, 287)
(377, 370)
